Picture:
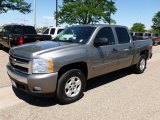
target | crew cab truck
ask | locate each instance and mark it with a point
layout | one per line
(53, 31)
(77, 54)
(14, 35)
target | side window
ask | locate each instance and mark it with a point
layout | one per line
(52, 31)
(123, 36)
(46, 31)
(106, 33)
(60, 30)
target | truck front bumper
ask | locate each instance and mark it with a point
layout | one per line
(34, 83)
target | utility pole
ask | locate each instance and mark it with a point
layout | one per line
(35, 13)
(110, 14)
(56, 13)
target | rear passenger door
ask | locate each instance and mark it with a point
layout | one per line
(125, 47)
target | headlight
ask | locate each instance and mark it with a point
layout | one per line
(42, 66)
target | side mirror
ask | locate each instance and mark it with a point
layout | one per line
(101, 42)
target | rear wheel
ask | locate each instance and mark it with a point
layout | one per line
(71, 86)
(141, 65)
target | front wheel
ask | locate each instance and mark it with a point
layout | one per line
(141, 65)
(71, 86)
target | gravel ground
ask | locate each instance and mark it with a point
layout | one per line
(120, 95)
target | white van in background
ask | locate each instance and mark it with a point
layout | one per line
(53, 31)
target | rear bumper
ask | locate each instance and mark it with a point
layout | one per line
(34, 83)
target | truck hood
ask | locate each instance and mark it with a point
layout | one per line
(33, 49)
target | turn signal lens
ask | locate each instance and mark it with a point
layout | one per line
(50, 67)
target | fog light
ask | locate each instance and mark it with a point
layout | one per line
(37, 89)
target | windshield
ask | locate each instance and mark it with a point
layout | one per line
(75, 35)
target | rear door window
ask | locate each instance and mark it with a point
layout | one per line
(52, 31)
(123, 35)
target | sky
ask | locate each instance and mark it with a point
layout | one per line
(128, 13)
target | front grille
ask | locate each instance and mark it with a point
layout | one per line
(19, 68)
(19, 59)
(20, 64)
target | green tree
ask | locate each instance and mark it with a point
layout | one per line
(86, 11)
(19, 5)
(156, 22)
(138, 27)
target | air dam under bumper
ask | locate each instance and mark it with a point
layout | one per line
(34, 83)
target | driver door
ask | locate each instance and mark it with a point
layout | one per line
(105, 57)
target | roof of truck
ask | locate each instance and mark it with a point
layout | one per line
(99, 25)
(16, 25)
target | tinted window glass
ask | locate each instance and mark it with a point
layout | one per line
(18, 30)
(138, 34)
(29, 30)
(156, 35)
(60, 30)
(147, 34)
(46, 31)
(106, 33)
(123, 36)
(52, 31)
(24, 30)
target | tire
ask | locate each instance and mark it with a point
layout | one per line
(140, 67)
(71, 86)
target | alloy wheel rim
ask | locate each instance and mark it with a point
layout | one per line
(142, 64)
(73, 87)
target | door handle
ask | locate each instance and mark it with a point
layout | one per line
(114, 50)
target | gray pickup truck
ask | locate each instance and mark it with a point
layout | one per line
(61, 67)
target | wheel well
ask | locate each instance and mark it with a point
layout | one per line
(145, 52)
(79, 65)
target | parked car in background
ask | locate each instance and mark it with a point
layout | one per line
(147, 36)
(137, 35)
(155, 38)
(62, 66)
(53, 31)
(13, 35)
